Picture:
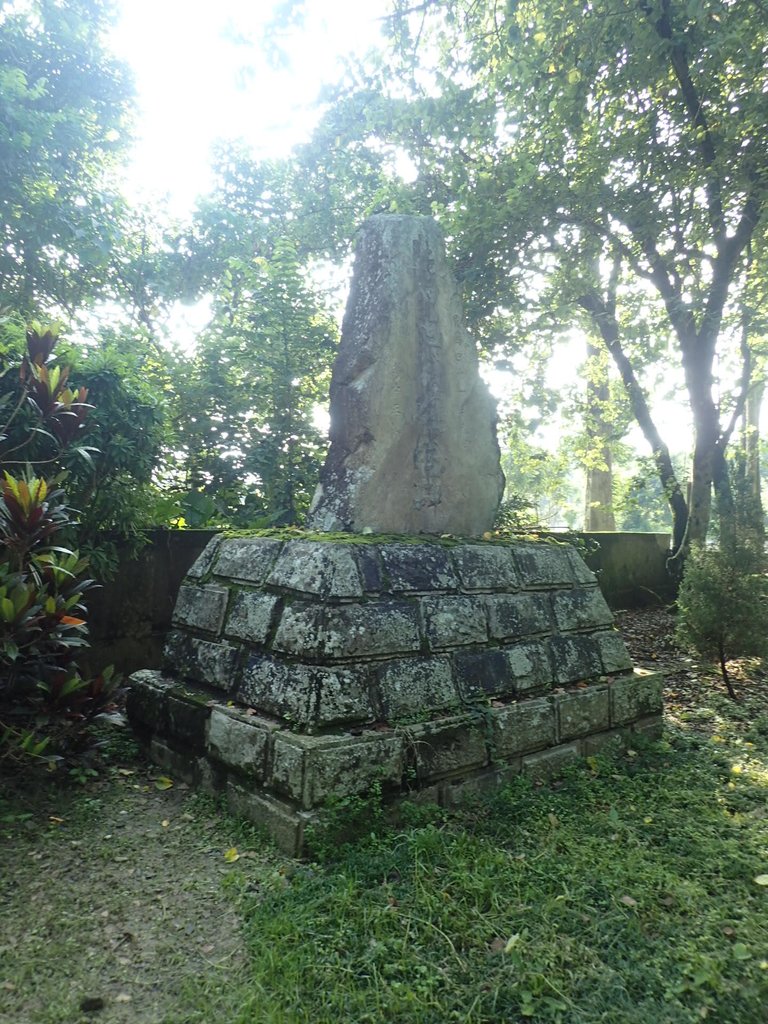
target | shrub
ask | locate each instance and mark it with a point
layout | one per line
(723, 604)
(44, 701)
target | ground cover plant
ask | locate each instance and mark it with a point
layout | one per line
(632, 890)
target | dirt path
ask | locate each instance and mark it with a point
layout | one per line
(113, 906)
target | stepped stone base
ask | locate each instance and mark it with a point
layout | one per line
(304, 671)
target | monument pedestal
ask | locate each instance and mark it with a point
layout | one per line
(301, 671)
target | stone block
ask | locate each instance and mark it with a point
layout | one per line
(201, 661)
(307, 696)
(247, 558)
(547, 764)
(240, 741)
(418, 568)
(250, 616)
(445, 747)
(582, 608)
(146, 701)
(413, 688)
(581, 571)
(609, 741)
(188, 714)
(652, 727)
(282, 823)
(484, 567)
(201, 608)
(205, 559)
(180, 766)
(517, 616)
(348, 631)
(582, 712)
(613, 652)
(529, 667)
(575, 659)
(521, 728)
(310, 770)
(317, 567)
(484, 673)
(459, 792)
(544, 564)
(369, 564)
(636, 696)
(453, 621)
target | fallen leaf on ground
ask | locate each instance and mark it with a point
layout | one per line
(628, 901)
(163, 782)
(231, 855)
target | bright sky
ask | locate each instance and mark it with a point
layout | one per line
(202, 72)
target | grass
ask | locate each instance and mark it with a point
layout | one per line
(624, 894)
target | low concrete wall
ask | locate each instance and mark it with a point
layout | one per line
(631, 568)
(131, 615)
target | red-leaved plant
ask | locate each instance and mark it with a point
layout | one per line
(45, 703)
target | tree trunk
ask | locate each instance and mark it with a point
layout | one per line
(752, 452)
(598, 506)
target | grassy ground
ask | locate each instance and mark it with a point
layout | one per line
(630, 892)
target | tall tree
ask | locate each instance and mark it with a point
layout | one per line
(616, 151)
(64, 113)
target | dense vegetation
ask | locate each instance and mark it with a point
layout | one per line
(601, 174)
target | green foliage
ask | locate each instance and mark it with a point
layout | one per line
(63, 123)
(251, 451)
(723, 604)
(44, 701)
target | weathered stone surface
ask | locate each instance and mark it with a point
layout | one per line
(181, 765)
(369, 564)
(484, 673)
(308, 696)
(328, 570)
(247, 558)
(581, 609)
(413, 427)
(250, 616)
(310, 769)
(411, 688)
(348, 631)
(448, 746)
(548, 763)
(613, 651)
(417, 568)
(530, 667)
(486, 567)
(201, 661)
(516, 616)
(581, 571)
(582, 712)
(575, 658)
(604, 742)
(635, 696)
(453, 621)
(201, 608)
(520, 728)
(205, 559)
(544, 565)
(188, 714)
(239, 741)
(146, 702)
(284, 824)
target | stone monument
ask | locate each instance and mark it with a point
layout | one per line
(413, 427)
(306, 668)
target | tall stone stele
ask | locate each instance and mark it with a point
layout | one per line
(413, 426)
